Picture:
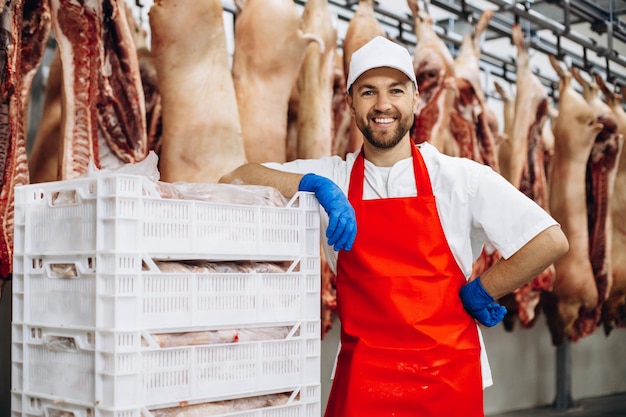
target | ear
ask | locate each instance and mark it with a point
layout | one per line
(349, 102)
(415, 98)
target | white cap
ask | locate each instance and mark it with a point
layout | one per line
(380, 52)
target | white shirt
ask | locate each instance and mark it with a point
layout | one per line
(476, 205)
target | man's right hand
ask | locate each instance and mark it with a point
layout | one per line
(341, 229)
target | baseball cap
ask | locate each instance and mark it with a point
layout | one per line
(380, 52)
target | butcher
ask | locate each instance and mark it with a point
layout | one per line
(403, 224)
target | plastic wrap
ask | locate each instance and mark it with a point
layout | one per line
(216, 193)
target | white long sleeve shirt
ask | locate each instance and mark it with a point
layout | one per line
(476, 205)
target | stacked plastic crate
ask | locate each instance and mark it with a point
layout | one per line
(89, 302)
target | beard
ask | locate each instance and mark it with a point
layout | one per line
(389, 138)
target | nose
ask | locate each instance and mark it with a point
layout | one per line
(383, 102)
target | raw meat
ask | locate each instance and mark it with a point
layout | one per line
(315, 83)
(201, 131)
(270, 45)
(575, 130)
(13, 160)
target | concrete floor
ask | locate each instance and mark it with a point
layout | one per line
(607, 406)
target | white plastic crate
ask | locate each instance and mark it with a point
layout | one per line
(119, 212)
(129, 369)
(128, 291)
(305, 402)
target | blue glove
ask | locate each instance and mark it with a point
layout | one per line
(341, 229)
(480, 304)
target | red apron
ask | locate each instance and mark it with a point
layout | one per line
(408, 348)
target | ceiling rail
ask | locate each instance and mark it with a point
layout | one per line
(403, 26)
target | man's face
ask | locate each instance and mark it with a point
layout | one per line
(383, 103)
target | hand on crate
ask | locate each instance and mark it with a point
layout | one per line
(341, 229)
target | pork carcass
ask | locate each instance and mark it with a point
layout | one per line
(575, 130)
(342, 118)
(315, 83)
(13, 159)
(201, 133)
(103, 113)
(525, 165)
(508, 116)
(35, 34)
(43, 161)
(315, 118)
(434, 70)
(148, 75)
(531, 109)
(270, 45)
(473, 107)
(601, 173)
(363, 27)
(43, 158)
(614, 307)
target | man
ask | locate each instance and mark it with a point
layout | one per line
(410, 345)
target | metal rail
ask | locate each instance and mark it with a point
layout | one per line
(403, 29)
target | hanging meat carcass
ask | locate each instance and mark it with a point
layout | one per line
(601, 173)
(201, 131)
(575, 130)
(523, 163)
(315, 117)
(614, 307)
(13, 160)
(269, 49)
(35, 34)
(363, 27)
(103, 113)
(434, 70)
(315, 82)
(508, 116)
(43, 158)
(148, 75)
(521, 157)
(342, 119)
(472, 124)
(43, 161)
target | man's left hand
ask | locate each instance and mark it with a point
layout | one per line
(480, 304)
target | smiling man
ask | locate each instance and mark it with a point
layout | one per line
(404, 223)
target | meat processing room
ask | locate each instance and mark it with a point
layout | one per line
(189, 188)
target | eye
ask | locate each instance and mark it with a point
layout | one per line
(367, 93)
(397, 91)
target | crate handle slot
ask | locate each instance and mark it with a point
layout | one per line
(55, 412)
(64, 198)
(61, 343)
(38, 194)
(63, 270)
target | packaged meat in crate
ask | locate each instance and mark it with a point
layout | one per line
(116, 291)
(300, 401)
(125, 213)
(129, 369)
